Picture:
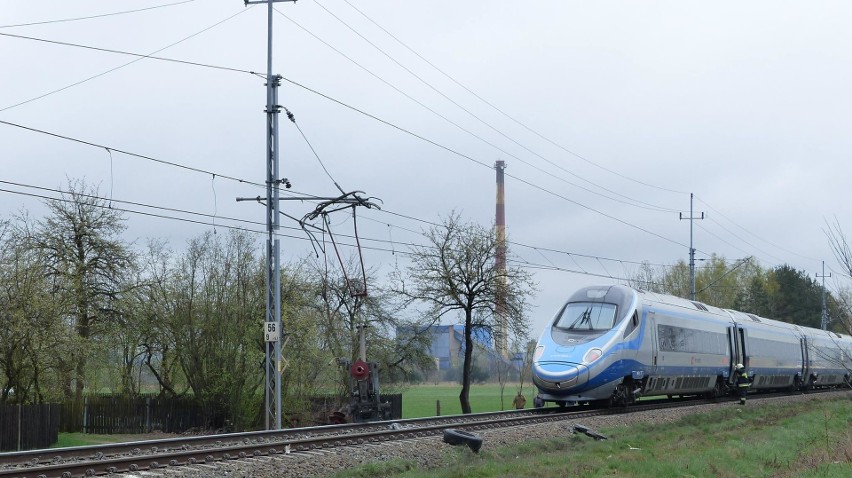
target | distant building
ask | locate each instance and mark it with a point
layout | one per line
(447, 347)
(448, 344)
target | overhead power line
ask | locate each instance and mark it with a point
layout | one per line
(209, 220)
(368, 115)
(340, 103)
(125, 64)
(630, 201)
(753, 234)
(90, 17)
(510, 117)
(121, 52)
(128, 153)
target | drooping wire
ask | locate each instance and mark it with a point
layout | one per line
(347, 200)
(360, 253)
(292, 118)
(128, 153)
(498, 131)
(110, 177)
(327, 228)
(215, 205)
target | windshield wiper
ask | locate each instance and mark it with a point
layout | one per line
(586, 316)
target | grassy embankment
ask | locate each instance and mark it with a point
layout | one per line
(811, 438)
(420, 401)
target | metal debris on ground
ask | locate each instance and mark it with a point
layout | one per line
(585, 430)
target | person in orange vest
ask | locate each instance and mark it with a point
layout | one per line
(519, 402)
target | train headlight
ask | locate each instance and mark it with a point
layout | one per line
(539, 351)
(592, 355)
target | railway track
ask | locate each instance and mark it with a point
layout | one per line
(160, 455)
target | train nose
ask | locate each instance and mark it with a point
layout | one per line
(560, 375)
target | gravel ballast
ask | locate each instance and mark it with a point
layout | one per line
(431, 452)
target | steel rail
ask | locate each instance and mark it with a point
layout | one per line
(270, 444)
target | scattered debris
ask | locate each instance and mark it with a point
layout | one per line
(454, 437)
(585, 430)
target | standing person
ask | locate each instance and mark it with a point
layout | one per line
(520, 401)
(743, 382)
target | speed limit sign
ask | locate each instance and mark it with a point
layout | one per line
(271, 332)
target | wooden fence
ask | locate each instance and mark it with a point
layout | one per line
(27, 427)
(118, 414)
(110, 414)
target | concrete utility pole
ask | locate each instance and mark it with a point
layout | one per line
(272, 326)
(824, 321)
(691, 249)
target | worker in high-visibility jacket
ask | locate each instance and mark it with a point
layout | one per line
(743, 382)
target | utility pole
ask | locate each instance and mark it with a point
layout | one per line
(691, 249)
(824, 321)
(272, 326)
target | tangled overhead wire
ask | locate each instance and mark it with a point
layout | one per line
(351, 200)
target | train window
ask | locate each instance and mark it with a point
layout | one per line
(634, 322)
(587, 316)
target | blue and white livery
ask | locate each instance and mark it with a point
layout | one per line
(611, 344)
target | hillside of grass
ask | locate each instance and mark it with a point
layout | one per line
(801, 439)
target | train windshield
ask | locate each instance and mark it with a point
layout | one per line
(587, 316)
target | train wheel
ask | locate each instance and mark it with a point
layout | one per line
(716, 392)
(620, 396)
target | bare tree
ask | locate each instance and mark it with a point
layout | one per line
(341, 313)
(839, 245)
(84, 257)
(456, 275)
(32, 335)
(843, 253)
(648, 278)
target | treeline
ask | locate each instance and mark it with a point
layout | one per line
(82, 311)
(780, 293)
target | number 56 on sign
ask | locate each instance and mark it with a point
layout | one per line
(271, 332)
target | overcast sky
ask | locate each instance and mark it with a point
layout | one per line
(608, 115)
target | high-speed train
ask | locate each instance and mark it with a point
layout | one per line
(612, 344)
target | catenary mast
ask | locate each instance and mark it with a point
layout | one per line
(272, 326)
(691, 218)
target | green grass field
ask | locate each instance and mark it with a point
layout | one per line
(421, 400)
(809, 439)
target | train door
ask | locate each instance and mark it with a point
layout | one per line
(652, 336)
(806, 360)
(733, 351)
(737, 344)
(741, 337)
